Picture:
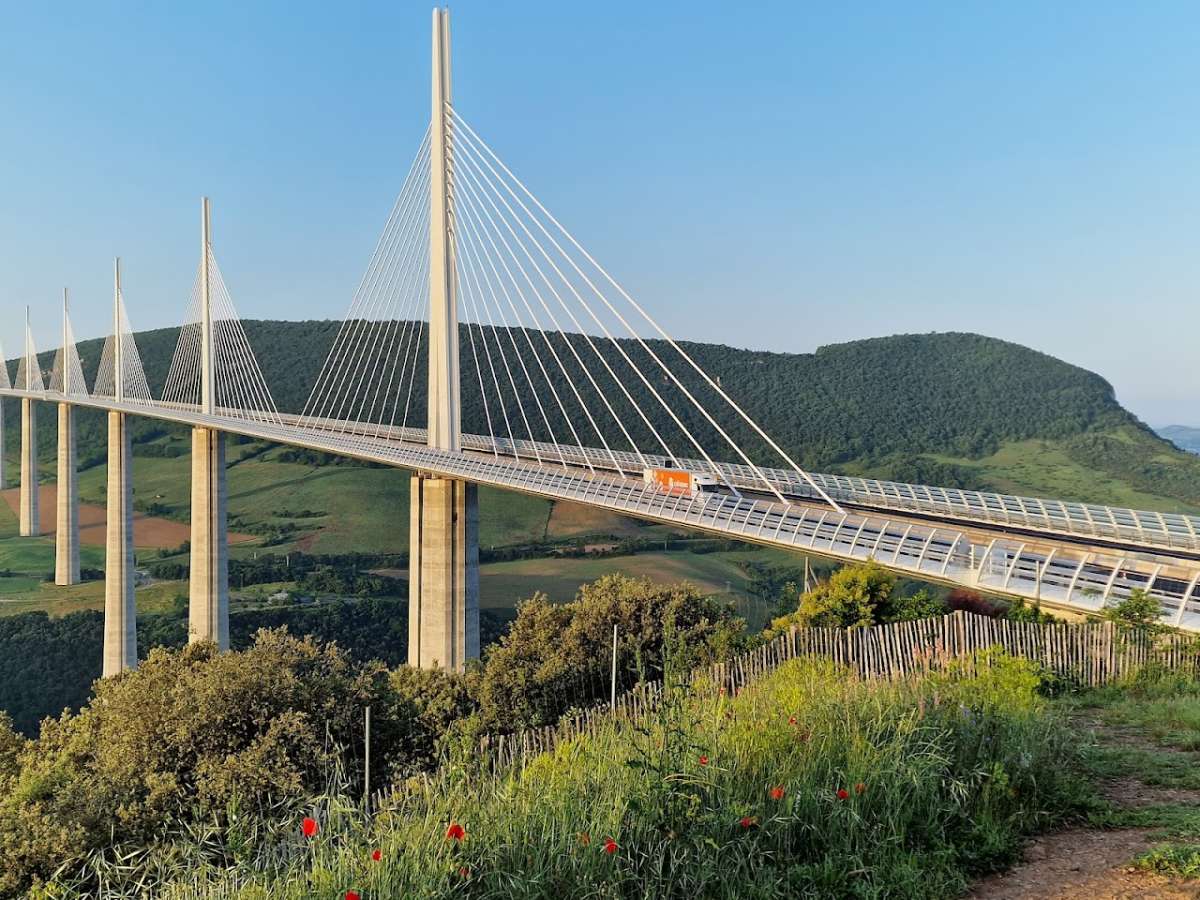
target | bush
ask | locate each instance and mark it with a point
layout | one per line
(188, 736)
(1138, 610)
(556, 657)
(851, 598)
(924, 604)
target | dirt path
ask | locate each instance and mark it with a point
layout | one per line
(1093, 863)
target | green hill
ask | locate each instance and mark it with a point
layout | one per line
(953, 409)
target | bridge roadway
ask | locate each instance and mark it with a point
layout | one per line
(1063, 569)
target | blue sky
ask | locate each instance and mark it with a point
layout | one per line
(775, 175)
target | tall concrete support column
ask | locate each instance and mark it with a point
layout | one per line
(443, 573)
(208, 617)
(120, 613)
(2, 445)
(443, 564)
(66, 543)
(30, 521)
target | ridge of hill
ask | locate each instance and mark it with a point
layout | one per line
(1185, 437)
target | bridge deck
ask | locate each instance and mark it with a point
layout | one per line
(1064, 570)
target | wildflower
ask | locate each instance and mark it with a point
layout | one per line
(704, 760)
(843, 794)
(352, 895)
(377, 855)
(792, 721)
(455, 832)
(722, 691)
(310, 827)
(777, 792)
(464, 872)
(610, 846)
(746, 821)
(859, 788)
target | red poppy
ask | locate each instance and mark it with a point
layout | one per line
(791, 720)
(746, 822)
(704, 760)
(464, 872)
(859, 788)
(377, 855)
(352, 895)
(455, 832)
(777, 792)
(843, 794)
(310, 827)
(610, 846)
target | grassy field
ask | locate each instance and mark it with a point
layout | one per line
(357, 509)
(1041, 468)
(502, 584)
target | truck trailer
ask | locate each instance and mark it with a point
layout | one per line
(680, 481)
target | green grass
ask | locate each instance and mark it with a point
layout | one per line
(503, 584)
(933, 795)
(361, 509)
(1175, 860)
(1043, 468)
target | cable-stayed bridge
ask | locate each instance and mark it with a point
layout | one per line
(478, 303)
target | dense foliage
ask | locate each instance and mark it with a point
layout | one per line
(49, 664)
(809, 783)
(558, 656)
(855, 596)
(192, 736)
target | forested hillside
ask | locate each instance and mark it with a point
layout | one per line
(941, 408)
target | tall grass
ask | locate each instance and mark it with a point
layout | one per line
(880, 790)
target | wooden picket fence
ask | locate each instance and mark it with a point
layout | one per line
(1090, 654)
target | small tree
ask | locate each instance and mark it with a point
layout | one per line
(1138, 610)
(851, 598)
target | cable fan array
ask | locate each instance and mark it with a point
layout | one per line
(377, 357)
(134, 388)
(551, 349)
(546, 323)
(74, 384)
(29, 372)
(239, 389)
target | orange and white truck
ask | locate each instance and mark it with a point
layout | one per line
(679, 481)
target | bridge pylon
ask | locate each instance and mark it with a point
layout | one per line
(120, 611)
(443, 562)
(30, 378)
(66, 537)
(208, 593)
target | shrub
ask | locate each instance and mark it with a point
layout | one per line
(555, 657)
(1138, 610)
(189, 735)
(923, 604)
(849, 599)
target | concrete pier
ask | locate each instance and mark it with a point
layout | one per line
(208, 610)
(120, 613)
(66, 543)
(30, 523)
(443, 573)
